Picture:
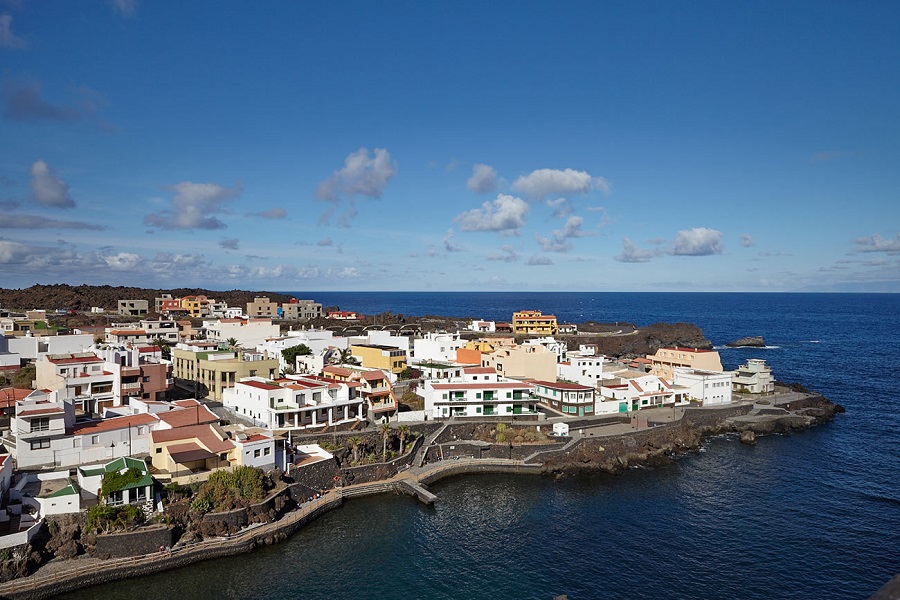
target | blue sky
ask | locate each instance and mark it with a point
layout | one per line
(608, 146)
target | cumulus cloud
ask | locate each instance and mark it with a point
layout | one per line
(449, 244)
(558, 240)
(483, 179)
(554, 182)
(230, 243)
(506, 215)
(47, 188)
(877, 243)
(507, 254)
(170, 263)
(539, 261)
(698, 241)
(561, 207)
(7, 38)
(192, 206)
(37, 222)
(631, 253)
(126, 8)
(24, 103)
(362, 175)
(272, 213)
(746, 240)
(122, 261)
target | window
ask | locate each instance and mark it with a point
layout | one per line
(159, 450)
(267, 451)
(40, 424)
(40, 444)
(95, 439)
(256, 453)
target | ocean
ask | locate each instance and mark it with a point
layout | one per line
(811, 515)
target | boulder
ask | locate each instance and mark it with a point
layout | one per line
(748, 437)
(753, 341)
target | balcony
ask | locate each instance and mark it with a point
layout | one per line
(131, 386)
(130, 372)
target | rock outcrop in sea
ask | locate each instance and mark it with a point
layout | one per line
(753, 341)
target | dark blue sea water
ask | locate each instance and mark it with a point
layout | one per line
(813, 515)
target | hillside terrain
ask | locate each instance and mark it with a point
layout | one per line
(83, 297)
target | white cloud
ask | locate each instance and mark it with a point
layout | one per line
(24, 103)
(698, 241)
(230, 243)
(506, 214)
(876, 243)
(554, 182)
(12, 221)
(192, 207)
(272, 213)
(539, 261)
(558, 240)
(562, 208)
(483, 179)
(362, 175)
(507, 254)
(746, 240)
(47, 188)
(449, 244)
(632, 254)
(123, 261)
(126, 8)
(7, 38)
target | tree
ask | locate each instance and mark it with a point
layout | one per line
(347, 357)
(24, 377)
(232, 343)
(164, 347)
(385, 434)
(290, 355)
(403, 431)
(354, 445)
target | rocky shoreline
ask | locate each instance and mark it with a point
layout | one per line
(598, 446)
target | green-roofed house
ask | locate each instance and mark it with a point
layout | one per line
(129, 482)
(58, 496)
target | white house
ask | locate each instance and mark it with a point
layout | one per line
(708, 387)
(581, 369)
(33, 347)
(247, 332)
(439, 347)
(570, 399)
(483, 326)
(647, 391)
(467, 398)
(295, 402)
(754, 377)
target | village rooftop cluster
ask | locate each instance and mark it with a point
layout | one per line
(105, 400)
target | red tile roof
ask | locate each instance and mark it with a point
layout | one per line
(68, 359)
(260, 385)
(479, 370)
(188, 416)
(112, 424)
(39, 411)
(487, 385)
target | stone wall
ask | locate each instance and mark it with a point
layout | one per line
(142, 541)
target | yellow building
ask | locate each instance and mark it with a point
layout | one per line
(533, 322)
(209, 371)
(389, 358)
(529, 361)
(663, 363)
(196, 306)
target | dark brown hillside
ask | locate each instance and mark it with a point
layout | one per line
(83, 297)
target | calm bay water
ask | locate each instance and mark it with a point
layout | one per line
(810, 515)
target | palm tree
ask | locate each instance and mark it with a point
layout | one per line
(347, 357)
(232, 343)
(385, 434)
(403, 430)
(354, 445)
